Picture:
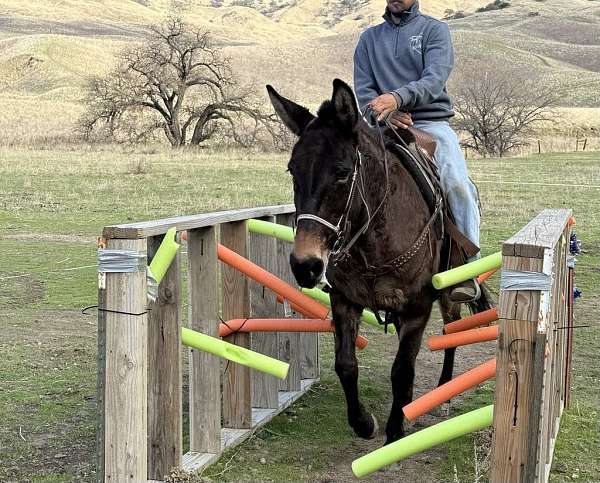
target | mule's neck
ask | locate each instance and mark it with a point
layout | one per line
(403, 213)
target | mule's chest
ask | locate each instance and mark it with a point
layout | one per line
(383, 293)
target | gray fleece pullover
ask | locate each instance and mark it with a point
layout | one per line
(410, 57)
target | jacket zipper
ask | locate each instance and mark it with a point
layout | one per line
(397, 35)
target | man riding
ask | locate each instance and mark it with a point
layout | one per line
(400, 71)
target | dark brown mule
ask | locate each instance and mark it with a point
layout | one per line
(339, 166)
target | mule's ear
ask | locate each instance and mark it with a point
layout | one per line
(294, 116)
(345, 104)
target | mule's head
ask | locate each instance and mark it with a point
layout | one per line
(321, 165)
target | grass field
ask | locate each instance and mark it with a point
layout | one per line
(54, 202)
(48, 50)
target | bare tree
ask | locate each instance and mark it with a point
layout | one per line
(499, 109)
(178, 83)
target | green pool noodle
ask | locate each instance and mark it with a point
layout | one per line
(465, 272)
(164, 256)
(234, 353)
(367, 316)
(424, 439)
(282, 232)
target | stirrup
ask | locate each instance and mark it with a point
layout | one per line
(472, 299)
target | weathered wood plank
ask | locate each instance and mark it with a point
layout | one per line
(205, 369)
(309, 355)
(237, 389)
(164, 372)
(514, 379)
(263, 304)
(159, 227)
(101, 376)
(542, 232)
(126, 378)
(289, 342)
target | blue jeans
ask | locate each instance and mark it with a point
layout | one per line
(460, 191)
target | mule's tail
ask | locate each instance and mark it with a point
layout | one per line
(484, 302)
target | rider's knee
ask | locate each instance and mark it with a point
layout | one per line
(458, 189)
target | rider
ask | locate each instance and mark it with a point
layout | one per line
(400, 70)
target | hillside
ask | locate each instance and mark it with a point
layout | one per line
(48, 50)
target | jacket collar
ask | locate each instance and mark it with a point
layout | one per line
(405, 16)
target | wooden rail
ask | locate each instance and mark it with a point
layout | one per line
(533, 351)
(140, 392)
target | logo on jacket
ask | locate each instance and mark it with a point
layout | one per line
(416, 42)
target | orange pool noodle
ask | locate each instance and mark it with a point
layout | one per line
(452, 388)
(296, 308)
(270, 281)
(438, 342)
(484, 276)
(282, 325)
(472, 321)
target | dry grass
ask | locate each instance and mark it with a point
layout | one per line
(54, 202)
(49, 50)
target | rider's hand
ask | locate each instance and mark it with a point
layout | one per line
(401, 119)
(383, 105)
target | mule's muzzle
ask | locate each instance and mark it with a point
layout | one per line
(307, 270)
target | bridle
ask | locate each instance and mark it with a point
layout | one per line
(342, 227)
(343, 242)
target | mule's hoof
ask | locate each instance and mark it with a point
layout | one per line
(367, 430)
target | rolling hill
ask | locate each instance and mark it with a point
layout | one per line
(49, 49)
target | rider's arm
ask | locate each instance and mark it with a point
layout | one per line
(438, 59)
(365, 86)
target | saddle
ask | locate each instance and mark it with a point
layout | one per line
(424, 170)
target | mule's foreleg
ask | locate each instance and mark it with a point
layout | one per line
(410, 333)
(346, 318)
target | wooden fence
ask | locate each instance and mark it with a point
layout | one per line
(139, 348)
(534, 348)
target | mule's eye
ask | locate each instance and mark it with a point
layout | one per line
(342, 176)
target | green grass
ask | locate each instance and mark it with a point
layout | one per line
(53, 203)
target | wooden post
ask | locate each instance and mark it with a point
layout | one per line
(237, 392)
(289, 342)
(525, 403)
(164, 372)
(100, 380)
(126, 371)
(205, 369)
(263, 303)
